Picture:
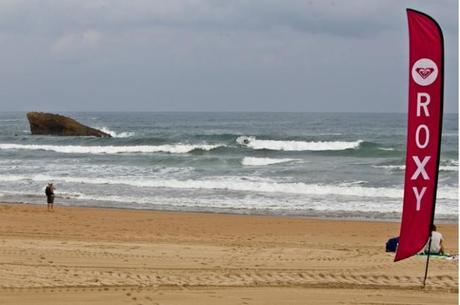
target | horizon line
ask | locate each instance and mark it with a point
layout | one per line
(209, 111)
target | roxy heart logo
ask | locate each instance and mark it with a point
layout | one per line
(424, 71)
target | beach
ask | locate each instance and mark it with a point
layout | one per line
(83, 255)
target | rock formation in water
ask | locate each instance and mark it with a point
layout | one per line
(42, 123)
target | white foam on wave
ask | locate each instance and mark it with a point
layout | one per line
(254, 143)
(390, 167)
(241, 184)
(252, 161)
(12, 178)
(60, 194)
(448, 168)
(351, 183)
(386, 148)
(79, 149)
(444, 168)
(125, 134)
(258, 203)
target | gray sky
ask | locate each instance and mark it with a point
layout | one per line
(219, 55)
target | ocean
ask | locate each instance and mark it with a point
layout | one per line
(338, 165)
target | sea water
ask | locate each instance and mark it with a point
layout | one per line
(347, 165)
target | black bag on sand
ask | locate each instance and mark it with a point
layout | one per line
(392, 244)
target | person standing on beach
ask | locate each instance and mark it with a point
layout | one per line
(49, 191)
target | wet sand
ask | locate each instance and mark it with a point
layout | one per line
(110, 256)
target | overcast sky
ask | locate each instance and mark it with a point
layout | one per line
(219, 55)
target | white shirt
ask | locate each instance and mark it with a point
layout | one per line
(436, 239)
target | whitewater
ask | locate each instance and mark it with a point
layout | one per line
(109, 149)
(253, 142)
(239, 184)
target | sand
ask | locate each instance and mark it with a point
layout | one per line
(114, 256)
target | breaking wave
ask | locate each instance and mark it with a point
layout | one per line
(254, 143)
(242, 184)
(386, 148)
(79, 149)
(252, 161)
(125, 134)
(443, 168)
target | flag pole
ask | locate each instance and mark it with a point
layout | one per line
(427, 261)
(436, 176)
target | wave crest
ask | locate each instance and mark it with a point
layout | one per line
(114, 134)
(79, 149)
(252, 142)
(442, 168)
(252, 161)
(241, 184)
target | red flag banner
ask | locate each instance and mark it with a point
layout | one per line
(426, 73)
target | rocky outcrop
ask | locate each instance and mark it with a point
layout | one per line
(42, 123)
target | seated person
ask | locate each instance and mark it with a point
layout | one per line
(436, 246)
